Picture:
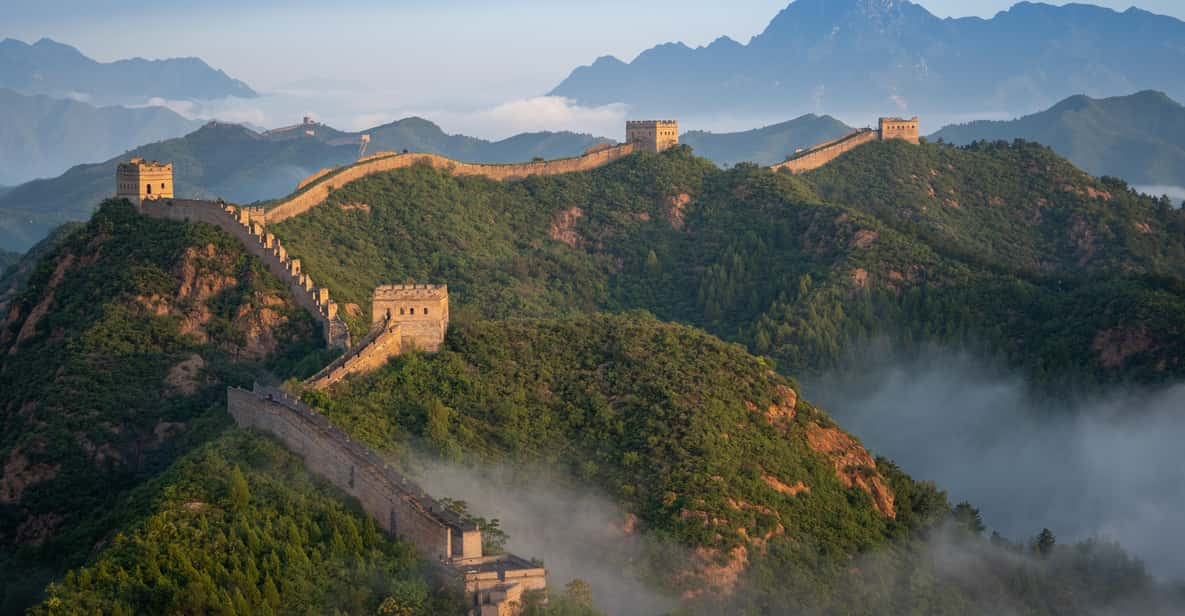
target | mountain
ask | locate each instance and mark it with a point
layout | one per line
(1140, 138)
(51, 68)
(241, 165)
(42, 136)
(862, 56)
(767, 145)
(125, 484)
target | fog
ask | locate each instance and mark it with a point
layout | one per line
(1108, 465)
(576, 531)
(1176, 193)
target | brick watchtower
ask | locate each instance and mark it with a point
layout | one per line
(897, 128)
(139, 179)
(420, 311)
(652, 135)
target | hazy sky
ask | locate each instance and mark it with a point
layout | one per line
(410, 56)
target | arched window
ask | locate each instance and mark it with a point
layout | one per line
(413, 311)
(162, 185)
(425, 311)
(401, 311)
(149, 186)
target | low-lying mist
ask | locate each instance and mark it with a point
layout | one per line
(577, 531)
(1108, 465)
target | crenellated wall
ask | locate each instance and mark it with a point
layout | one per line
(494, 584)
(384, 341)
(242, 223)
(315, 190)
(818, 155)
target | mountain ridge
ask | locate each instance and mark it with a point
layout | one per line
(860, 55)
(62, 71)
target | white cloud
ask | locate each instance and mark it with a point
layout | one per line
(541, 113)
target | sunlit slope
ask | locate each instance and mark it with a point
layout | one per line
(1031, 260)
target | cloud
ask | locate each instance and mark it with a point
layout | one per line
(1106, 464)
(541, 113)
(576, 530)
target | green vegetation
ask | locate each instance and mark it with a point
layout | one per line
(1136, 137)
(681, 428)
(238, 527)
(8, 259)
(803, 269)
(127, 329)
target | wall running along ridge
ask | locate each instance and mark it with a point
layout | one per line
(243, 225)
(820, 154)
(316, 192)
(493, 584)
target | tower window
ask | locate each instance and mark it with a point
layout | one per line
(425, 311)
(149, 187)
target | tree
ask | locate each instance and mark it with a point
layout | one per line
(968, 518)
(579, 592)
(1044, 542)
(237, 489)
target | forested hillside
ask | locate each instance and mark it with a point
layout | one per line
(126, 330)
(1016, 253)
(751, 500)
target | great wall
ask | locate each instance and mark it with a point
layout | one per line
(403, 317)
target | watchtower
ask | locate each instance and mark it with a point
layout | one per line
(138, 179)
(897, 128)
(420, 311)
(652, 135)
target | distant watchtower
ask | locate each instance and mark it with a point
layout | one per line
(420, 311)
(652, 135)
(139, 179)
(896, 128)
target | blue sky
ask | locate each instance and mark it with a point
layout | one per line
(449, 58)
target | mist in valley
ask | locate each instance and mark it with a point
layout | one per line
(1107, 464)
(578, 532)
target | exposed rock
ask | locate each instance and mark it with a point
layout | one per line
(353, 310)
(715, 575)
(864, 238)
(853, 464)
(34, 530)
(183, 377)
(1143, 227)
(782, 411)
(860, 277)
(19, 474)
(784, 488)
(363, 207)
(675, 206)
(29, 327)
(1115, 345)
(563, 229)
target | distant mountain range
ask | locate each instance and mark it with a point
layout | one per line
(42, 136)
(58, 70)
(768, 145)
(242, 165)
(1140, 138)
(869, 55)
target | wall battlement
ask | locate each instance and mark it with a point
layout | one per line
(493, 584)
(138, 180)
(314, 190)
(822, 153)
(243, 224)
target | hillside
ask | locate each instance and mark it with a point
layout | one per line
(54, 69)
(241, 165)
(852, 56)
(766, 145)
(127, 331)
(1138, 138)
(1066, 284)
(42, 137)
(753, 500)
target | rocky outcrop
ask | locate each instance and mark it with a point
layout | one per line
(853, 465)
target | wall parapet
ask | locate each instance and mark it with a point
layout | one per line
(244, 224)
(315, 190)
(493, 583)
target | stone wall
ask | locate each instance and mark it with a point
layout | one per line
(421, 310)
(316, 192)
(493, 584)
(819, 155)
(241, 223)
(384, 341)
(897, 128)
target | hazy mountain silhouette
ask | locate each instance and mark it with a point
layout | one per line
(55, 69)
(864, 55)
(42, 136)
(1140, 138)
(766, 145)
